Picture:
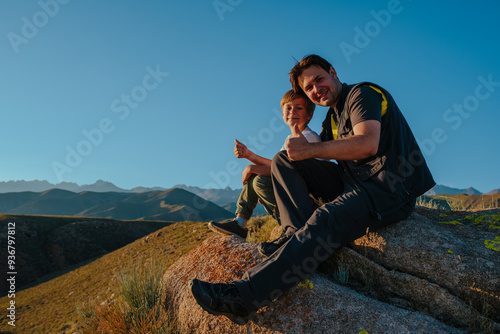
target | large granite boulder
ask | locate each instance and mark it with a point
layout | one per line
(416, 276)
(443, 268)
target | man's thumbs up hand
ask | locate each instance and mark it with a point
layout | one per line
(297, 146)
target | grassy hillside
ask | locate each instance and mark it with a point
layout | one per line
(44, 244)
(50, 306)
(460, 202)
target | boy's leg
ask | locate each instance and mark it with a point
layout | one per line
(248, 199)
(330, 227)
(244, 209)
(263, 186)
(293, 181)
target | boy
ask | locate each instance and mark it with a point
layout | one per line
(297, 111)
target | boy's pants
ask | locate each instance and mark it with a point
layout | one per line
(316, 234)
(257, 186)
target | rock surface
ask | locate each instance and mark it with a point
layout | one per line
(417, 276)
(439, 268)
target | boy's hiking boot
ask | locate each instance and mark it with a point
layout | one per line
(267, 248)
(220, 299)
(229, 227)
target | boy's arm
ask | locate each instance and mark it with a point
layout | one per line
(255, 169)
(241, 151)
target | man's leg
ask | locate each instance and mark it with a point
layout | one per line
(330, 227)
(293, 181)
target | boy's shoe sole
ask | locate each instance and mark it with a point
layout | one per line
(231, 228)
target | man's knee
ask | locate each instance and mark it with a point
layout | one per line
(280, 158)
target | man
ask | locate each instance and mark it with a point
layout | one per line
(379, 175)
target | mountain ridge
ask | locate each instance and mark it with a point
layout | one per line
(169, 205)
(214, 195)
(43, 185)
(445, 190)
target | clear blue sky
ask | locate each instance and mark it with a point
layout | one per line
(152, 93)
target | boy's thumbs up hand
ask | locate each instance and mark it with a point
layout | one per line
(240, 150)
(297, 146)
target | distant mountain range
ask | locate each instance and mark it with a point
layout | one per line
(169, 205)
(442, 190)
(106, 200)
(225, 198)
(40, 186)
(218, 196)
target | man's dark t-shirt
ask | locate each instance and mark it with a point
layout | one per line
(398, 173)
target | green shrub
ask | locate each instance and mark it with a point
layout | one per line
(260, 228)
(141, 285)
(139, 307)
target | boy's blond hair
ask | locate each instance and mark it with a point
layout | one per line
(292, 95)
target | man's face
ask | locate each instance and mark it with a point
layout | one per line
(322, 87)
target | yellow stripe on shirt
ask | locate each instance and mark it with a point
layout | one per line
(382, 113)
(384, 100)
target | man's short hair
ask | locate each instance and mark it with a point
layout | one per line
(291, 95)
(306, 62)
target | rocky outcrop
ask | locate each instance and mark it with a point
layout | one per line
(442, 269)
(415, 276)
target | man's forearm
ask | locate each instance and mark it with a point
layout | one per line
(351, 148)
(361, 145)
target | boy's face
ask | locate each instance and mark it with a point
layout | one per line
(322, 87)
(295, 112)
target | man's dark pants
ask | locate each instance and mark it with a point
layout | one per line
(316, 234)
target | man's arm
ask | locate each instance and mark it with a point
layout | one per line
(363, 144)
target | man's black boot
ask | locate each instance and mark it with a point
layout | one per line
(220, 299)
